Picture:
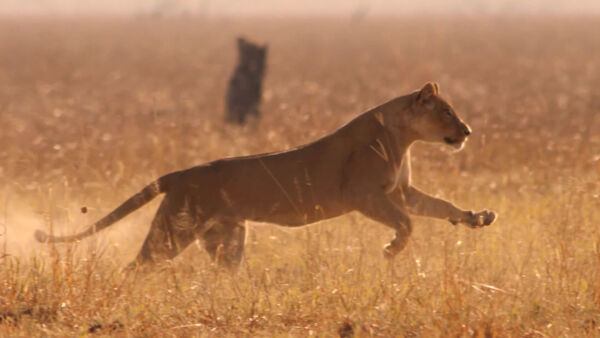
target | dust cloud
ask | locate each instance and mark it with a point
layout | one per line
(18, 222)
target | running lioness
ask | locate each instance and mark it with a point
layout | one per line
(363, 166)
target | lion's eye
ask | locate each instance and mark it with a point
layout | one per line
(448, 113)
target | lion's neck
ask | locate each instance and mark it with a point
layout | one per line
(385, 135)
(395, 118)
(378, 126)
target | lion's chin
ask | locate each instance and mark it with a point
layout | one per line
(457, 145)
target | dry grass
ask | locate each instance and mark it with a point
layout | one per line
(92, 110)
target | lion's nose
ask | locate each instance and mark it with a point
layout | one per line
(467, 131)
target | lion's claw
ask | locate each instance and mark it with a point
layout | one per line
(476, 219)
(483, 218)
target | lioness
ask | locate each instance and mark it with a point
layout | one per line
(363, 166)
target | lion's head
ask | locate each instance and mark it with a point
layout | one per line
(434, 119)
(252, 56)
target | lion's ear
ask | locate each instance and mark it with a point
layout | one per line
(429, 89)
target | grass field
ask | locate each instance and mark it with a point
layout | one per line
(93, 109)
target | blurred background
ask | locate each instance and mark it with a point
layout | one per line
(294, 8)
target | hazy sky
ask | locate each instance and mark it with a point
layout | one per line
(293, 7)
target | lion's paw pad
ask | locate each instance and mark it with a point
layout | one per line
(484, 218)
(389, 251)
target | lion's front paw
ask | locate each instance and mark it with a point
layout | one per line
(390, 250)
(41, 236)
(482, 218)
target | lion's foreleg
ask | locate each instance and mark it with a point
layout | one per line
(380, 208)
(422, 204)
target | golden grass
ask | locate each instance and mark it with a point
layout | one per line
(92, 110)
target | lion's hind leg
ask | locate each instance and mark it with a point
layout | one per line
(173, 229)
(224, 241)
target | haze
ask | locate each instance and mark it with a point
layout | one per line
(293, 8)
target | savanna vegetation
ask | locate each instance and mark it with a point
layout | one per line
(91, 110)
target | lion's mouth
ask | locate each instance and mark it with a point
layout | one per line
(455, 143)
(450, 140)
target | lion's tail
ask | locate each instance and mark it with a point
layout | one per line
(133, 203)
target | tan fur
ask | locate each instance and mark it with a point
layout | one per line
(363, 166)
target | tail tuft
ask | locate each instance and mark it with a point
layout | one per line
(41, 236)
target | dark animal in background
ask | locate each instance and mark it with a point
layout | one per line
(245, 86)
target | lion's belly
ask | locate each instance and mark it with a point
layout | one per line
(281, 203)
(297, 215)
(285, 194)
